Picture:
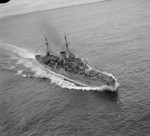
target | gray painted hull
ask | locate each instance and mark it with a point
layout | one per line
(81, 80)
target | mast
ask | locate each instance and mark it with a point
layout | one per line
(68, 52)
(49, 51)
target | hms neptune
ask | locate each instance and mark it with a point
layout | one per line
(76, 70)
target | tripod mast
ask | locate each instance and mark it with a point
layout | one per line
(49, 51)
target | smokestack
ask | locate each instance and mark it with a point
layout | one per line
(63, 54)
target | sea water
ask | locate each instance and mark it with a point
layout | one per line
(113, 35)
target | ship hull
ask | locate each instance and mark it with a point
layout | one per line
(107, 81)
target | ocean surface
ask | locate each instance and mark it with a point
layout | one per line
(115, 37)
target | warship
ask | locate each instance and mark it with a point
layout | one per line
(75, 69)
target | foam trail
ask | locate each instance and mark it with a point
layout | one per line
(18, 51)
(12, 67)
(28, 60)
(19, 72)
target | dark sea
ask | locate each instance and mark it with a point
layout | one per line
(115, 37)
